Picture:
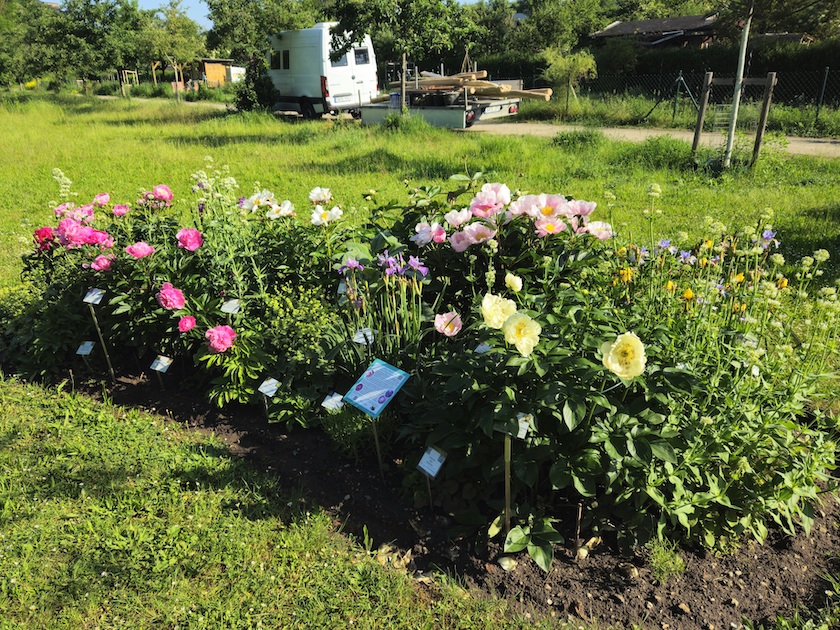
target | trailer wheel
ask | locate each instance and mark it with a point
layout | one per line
(469, 119)
(307, 109)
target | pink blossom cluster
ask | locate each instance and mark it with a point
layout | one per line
(81, 214)
(141, 249)
(159, 197)
(492, 207)
(220, 338)
(72, 233)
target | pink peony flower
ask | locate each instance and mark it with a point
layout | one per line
(186, 323)
(162, 192)
(448, 324)
(61, 210)
(549, 225)
(44, 238)
(427, 233)
(140, 249)
(460, 241)
(170, 297)
(541, 206)
(189, 239)
(101, 199)
(479, 232)
(82, 214)
(600, 230)
(120, 210)
(490, 200)
(220, 338)
(90, 236)
(102, 262)
(71, 233)
(581, 208)
(456, 218)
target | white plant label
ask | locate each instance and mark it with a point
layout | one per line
(333, 402)
(364, 336)
(94, 296)
(524, 425)
(269, 387)
(86, 348)
(161, 364)
(482, 348)
(231, 307)
(431, 462)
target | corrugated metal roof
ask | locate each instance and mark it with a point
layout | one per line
(686, 23)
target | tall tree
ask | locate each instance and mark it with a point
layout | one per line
(556, 23)
(182, 40)
(820, 18)
(240, 27)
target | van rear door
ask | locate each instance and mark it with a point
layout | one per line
(352, 78)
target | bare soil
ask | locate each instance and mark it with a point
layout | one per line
(607, 588)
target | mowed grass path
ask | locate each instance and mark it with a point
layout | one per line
(123, 147)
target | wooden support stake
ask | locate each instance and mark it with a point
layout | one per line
(701, 115)
(102, 342)
(429, 488)
(507, 484)
(762, 120)
(160, 380)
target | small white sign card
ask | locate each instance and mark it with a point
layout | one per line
(94, 296)
(482, 348)
(161, 364)
(431, 462)
(269, 387)
(86, 348)
(376, 387)
(524, 425)
(364, 336)
(333, 402)
(231, 307)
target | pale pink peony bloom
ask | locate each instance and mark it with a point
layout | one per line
(600, 230)
(427, 233)
(548, 226)
(479, 232)
(456, 218)
(82, 214)
(490, 200)
(102, 262)
(220, 338)
(581, 208)
(540, 206)
(186, 323)
(170, 297)
(449, 324)
(460, 241)
(61, 210)
(189, 239)
(101, 199)
(120, 210)
(140, 249)
(163, 193)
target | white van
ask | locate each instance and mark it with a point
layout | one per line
(310, 83)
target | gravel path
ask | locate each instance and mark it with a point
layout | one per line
(822, 147)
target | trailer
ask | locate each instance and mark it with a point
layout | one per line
(455, 101)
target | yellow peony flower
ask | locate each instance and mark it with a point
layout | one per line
(523, 332)
(495, 310)
(625, 357)
(512, 282)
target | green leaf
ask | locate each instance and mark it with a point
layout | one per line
(543, 555)
(496, 526)
(517, 539)
(569, 417)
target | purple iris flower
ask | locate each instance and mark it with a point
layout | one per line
(353, 264)
(415, 264)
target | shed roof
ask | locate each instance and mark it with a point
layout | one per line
(662, 26)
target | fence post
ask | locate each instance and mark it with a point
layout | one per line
(762, 120)
(677, 86)
(822, 96)
(701, 114)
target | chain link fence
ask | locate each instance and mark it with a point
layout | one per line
(819, 89)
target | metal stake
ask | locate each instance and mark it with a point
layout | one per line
(102, 342)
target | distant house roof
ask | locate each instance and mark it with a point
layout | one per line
(687, 24)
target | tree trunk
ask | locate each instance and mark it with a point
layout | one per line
(154, 72)
(403, 107)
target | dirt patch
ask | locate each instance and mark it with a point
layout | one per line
(757, 583)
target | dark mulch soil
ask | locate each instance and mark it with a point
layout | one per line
(756, 583)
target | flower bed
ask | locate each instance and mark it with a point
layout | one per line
(651, 389)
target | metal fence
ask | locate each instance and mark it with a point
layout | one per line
(819, 89)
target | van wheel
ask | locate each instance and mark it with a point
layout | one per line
(307, 109)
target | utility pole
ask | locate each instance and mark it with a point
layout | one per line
(739, 82)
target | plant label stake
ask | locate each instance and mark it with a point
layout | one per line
(268, 388)
(374, 390)
(94, 296)
(159, 366)
(524, 422)
(430, 465)
(333, 402)
(84, 351)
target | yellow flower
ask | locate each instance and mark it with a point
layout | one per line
(703, 261)
(523, 332)
(625, 357)
(622, 251)
(688, 294)
(495, 310)
(512, 282)
(626, 275)
(671, 286)
(739, 308)
(782, 283)
(739, 278)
